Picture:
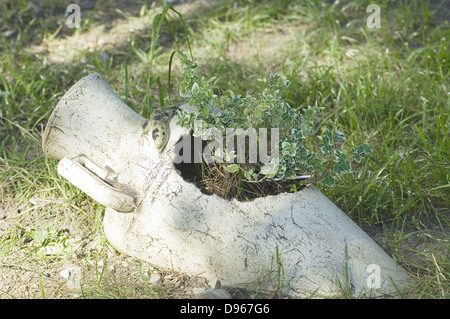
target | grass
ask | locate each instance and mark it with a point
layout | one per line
(388, 86)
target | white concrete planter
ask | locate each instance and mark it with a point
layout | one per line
(298, 243)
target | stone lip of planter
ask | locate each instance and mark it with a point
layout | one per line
(296, 243)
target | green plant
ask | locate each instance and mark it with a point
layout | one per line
(150, 56)
(299, 154)
(45, 234)
(49, 240)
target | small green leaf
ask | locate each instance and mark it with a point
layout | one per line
(359, 152)
(39, 236)
(239, 121)
(195, 88)
(339, 136)
(204, 113)
(288, 148)
(329, 180)
(270, 169)
(285, 116)
(339, 155)
(327, 142)
(229, 157)
(232, 168)
(290, 174)
(342, 166)
(248, 174)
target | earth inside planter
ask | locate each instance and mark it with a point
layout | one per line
(296, 243)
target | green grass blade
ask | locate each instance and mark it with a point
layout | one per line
(186, 33)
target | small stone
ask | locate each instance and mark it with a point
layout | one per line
(189, 291)
(103, 57)
(155, 279)
(52, 250)
(9, 33)
(65, 273)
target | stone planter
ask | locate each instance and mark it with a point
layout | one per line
(296, 243)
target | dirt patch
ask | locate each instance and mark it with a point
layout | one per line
(118, 23)
(53, 257)
(73, 263)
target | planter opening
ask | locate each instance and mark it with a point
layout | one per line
(214, 179)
